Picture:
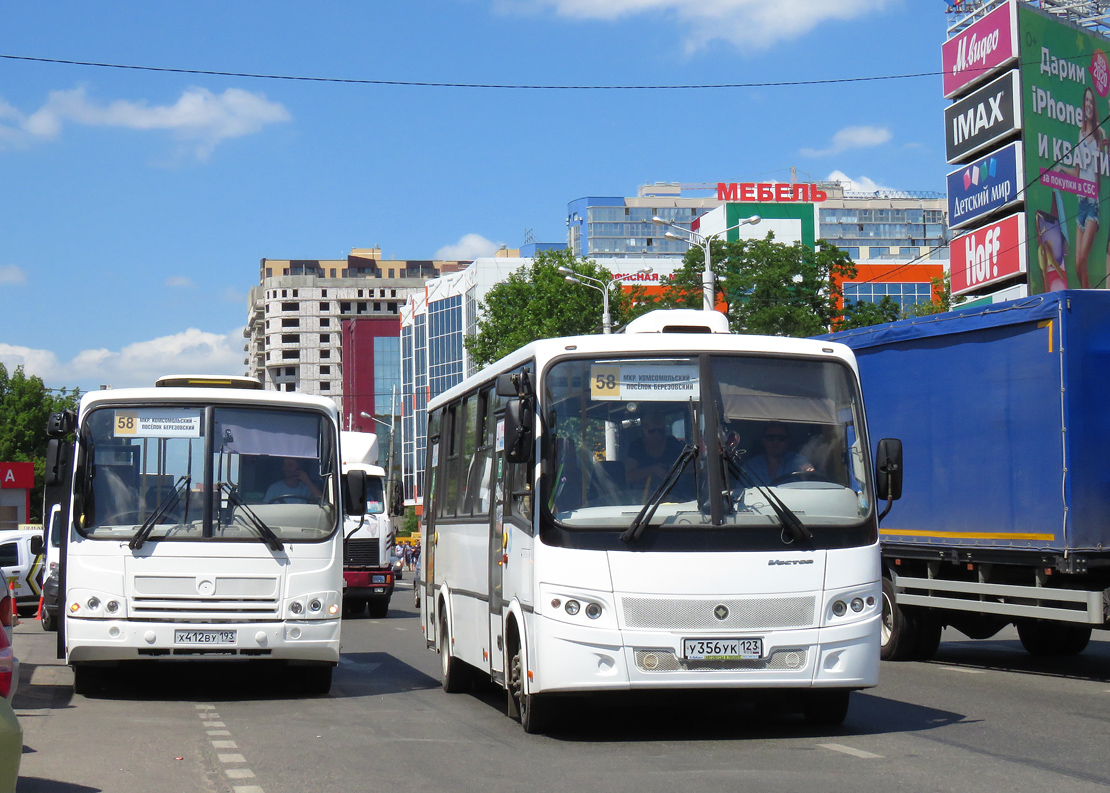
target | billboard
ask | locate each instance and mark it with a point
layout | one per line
(1066, 79)
(989, 255)
(985, 186)
(983, 117)
(980, 50)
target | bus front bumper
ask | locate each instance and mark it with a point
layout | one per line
(572, 658)
(120, 640)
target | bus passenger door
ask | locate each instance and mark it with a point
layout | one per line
(428, 552)
(497, 558)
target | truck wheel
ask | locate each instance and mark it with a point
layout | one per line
(1041, 637)
(929, 629)
(826, 708)
(379, 608)
(456, 674)
(352, 607)
(898, 628)
(316, 680)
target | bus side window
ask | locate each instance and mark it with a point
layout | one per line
(448, 462)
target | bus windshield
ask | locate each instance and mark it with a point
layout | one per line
(754, 433)
(207, 474)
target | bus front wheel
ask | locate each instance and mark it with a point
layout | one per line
(456, 677)
(87, 680)
(826, 708)
(536, 712)
(317, 679)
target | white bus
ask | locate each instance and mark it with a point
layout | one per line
(604, 513)
(202, 522)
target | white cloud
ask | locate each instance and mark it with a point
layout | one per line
(861, 184)
(10, 274)
(750, 24)
(137, 364)
(471, 246)
(199, 119)
(179, 282)
(852, 138)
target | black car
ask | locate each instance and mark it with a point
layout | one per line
(50, 602)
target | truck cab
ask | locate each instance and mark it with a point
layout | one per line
(367, 539)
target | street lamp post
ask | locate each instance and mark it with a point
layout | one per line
(596, 283)
(389, 456)
(709, 292)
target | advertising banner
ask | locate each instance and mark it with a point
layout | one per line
(978, 52)
(1066, 79)
(985, 186)
(983, 117)
(989, 254)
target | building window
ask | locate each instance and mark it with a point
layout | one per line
(393, 293)
(290, 338)
(291, 322)
(377, 307)
(393, 307)
(269, 272)
(875, 251)
(325, 386)
(325, 322)
(391, 271)
(325, 355)
(344, 308)
(333, 272)
(294, 293)
(290, 306)
(360, 293)
(324, 292)
(284, 293)
(291, 371)
(325, 338)
(290, 355)
(289, 386)
(904, 294)
(361, 306)
(325, 306)
(325, 369)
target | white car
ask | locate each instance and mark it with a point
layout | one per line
(23, 567)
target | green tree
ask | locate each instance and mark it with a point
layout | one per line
(863, 314)
(769, 287)
(536, 302)
(410, 524)
(25, 405)
(942, 298)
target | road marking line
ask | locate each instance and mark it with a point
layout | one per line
(231, 758)
(206, 707)
(214, 724)
(247, 789)
(219, 732)
(209, 715)
(836, 747)
(239, 773)
(965, 670)
(224, 744)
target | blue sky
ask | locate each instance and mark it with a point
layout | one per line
(135, 206)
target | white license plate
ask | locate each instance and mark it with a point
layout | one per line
(204, 637)
(722, 649)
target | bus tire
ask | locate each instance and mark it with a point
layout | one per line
(1042, 637)
(897, 635)
(316, 680)
(536, 712)
(826, 707)
(456, 674)
(379, 608)
(87, 680)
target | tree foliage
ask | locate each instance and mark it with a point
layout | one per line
(25, 405)
(770, 288)
(862, 314)
(537, 302)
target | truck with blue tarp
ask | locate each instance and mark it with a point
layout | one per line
(1004, 415)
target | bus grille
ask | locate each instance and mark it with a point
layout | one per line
(670, 614)
(664, 660)
(175, 598)
(365, 552)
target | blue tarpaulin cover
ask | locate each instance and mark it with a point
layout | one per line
(1003, 415)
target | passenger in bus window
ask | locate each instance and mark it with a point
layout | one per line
(294, 487)
(776, 461)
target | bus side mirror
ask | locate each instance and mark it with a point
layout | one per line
(57, 462)
(888, 470)
(37, 545)
(60, 424)
(518, 431)
(354, 496)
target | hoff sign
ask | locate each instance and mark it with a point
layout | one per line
(982, 117)
(988, 255)
(985, 186)
(980, 50)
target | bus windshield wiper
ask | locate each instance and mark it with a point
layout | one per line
(640, 522)
(167, 504)
(265, 533)
(791, 523)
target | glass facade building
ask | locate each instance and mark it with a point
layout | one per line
(873, 232)
(905, 295)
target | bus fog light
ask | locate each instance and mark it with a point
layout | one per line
(111, 607)
(651, 660)
(94, 603)
(572, 607)
(314, 605)
(857, 605)
(74, 607)
(839, 608)
(296, 607)
(333, 609)
(593, 611)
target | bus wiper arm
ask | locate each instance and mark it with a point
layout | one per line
(791, 523)
(148, 525)
(264, 532)
(640, 522)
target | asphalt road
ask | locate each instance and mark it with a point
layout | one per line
(983, 716)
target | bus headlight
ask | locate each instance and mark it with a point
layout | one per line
(296, 607)
(314, 605)
(839, 608)
(572, 607)
(93, 603)
(593, 610)
(112, 606)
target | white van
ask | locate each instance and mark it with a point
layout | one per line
(22, 567)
